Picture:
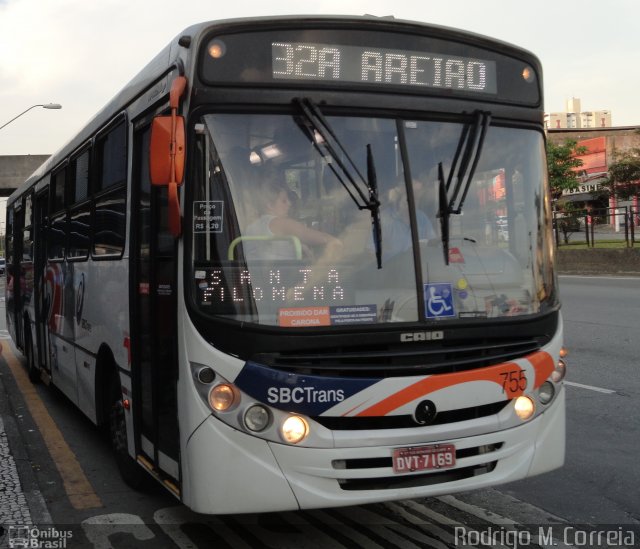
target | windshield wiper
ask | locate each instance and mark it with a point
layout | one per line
(372, 180)
(363, 192)
(470, 147)
(443, 213)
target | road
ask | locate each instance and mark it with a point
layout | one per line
(599, 481)
(79, 489)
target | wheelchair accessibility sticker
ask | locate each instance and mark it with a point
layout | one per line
(438, 300)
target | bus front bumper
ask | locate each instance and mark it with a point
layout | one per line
(233, 472)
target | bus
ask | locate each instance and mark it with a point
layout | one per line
(303, 262)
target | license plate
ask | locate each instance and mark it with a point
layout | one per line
(422, 458)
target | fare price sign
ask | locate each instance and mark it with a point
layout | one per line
(208, 216)
(380, 66)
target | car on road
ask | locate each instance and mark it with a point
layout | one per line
(3, 265)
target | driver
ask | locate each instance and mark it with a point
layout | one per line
(396, 228)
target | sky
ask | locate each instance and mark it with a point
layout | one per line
(80, 53)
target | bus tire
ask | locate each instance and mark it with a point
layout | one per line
(33, 370)
(129, 470)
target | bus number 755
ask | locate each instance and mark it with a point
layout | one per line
(513, 381)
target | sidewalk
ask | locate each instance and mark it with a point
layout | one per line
(21, 503)
(13, 504)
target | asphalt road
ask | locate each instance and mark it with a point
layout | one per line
(599, 482)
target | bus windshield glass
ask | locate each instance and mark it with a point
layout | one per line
(279, 239)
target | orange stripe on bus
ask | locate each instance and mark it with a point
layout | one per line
(495, 374)
(543, 364)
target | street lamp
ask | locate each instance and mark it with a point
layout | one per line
(47, 106)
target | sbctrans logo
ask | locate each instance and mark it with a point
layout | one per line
(298, 395)
(38, 538)
(303, 394)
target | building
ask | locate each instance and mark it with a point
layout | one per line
(602, 145)
(14, 170)
(575, 118)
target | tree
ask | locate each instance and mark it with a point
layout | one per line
(562, 159)
(623, 181)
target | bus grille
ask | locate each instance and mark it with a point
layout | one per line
(410, 359)
(398, 422)
(420, 479)
(388, 483)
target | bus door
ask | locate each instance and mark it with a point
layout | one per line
(154, 319)
(39, 266)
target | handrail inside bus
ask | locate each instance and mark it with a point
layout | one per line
(297, 246)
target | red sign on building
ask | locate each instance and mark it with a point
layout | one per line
(594, 160)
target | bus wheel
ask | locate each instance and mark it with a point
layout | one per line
(32, 368)
(129, 470)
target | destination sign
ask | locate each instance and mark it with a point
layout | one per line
(366, 65)
(286, 286)
(361, 58)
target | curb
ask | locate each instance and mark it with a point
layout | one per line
(586, 272)
(23, 496)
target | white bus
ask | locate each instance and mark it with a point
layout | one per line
(271, 265)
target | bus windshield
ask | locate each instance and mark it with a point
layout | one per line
(279, 239)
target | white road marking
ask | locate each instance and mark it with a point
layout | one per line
(99, 528)
(590, 387)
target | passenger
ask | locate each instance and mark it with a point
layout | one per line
(396, 228)
(275, 222)
(425, 227)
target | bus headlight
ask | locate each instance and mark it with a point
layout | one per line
(294, 429)
(546, 392)
(257, 418)
(524, 407)
(222, 397)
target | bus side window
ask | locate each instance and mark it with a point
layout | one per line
(9, 236)
(57, 233)
(27, 232)
(80, 213)
(109, 220)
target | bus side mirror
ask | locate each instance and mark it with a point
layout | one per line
(166, 153)
(161, 151)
